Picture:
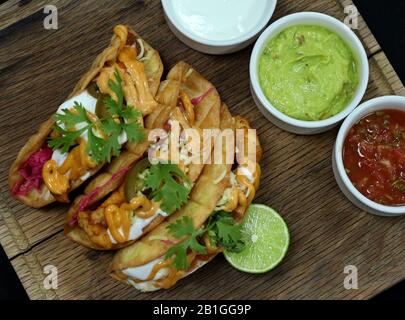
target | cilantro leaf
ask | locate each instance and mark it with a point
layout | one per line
(163, 180)
(65, 140)
(95, 147)
(131, 125)
(111, 105)
(72, 117)
(223, 231)
(101, 150)
(180, 256)
(111, 127)
(181, 228)
(115, 106)
(134, 131)
(129, 115)
(116, 87)
(69, 119)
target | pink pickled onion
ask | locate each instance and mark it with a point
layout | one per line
(197, 100)
(87, 199)
(31, 172)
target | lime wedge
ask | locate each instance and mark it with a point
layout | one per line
(267, 240)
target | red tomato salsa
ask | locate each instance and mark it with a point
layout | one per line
(374, 157)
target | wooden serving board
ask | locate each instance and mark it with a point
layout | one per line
(38, 69)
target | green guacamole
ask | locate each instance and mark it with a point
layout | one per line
(308, 73)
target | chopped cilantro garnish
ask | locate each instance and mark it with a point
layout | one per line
(222, 230)
(169, 185)
(184, 227)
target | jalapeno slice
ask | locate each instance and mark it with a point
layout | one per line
(133, 183)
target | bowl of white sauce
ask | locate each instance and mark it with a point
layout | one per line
(218, 26)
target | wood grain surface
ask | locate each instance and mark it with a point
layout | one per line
(38, 69)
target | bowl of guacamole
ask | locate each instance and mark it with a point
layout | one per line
(308, 72)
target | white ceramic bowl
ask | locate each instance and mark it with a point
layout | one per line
(347, 187)
(216, 47)
(274, 115)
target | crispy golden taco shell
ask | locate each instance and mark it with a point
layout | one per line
(153, 69)
(150, 247)
(203, 199)
(208, 116)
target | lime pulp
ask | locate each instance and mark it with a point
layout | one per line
(267, 240)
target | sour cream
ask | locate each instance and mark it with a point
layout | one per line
(142, 272)
(59, 157)
(137, 226)
(85, 98)
(87, 101)
(246, 172)
(220, 20)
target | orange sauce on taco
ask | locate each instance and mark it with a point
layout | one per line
(175, 275)
(56, 182)
(136, 91)
(117, 213)
(57, 179)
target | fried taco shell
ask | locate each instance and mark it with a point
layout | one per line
(25, 175)
(143, 264)
(173, 106)
(204, 197)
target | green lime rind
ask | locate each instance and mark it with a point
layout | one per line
(267, 241)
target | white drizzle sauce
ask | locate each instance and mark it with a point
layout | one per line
(137, 226)
(142, 272)
(242, 170)
(85, 98)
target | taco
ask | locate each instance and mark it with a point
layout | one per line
(192, 237)
(127, 201)
(104, 113)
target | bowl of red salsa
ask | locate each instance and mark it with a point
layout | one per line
(369, 156)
